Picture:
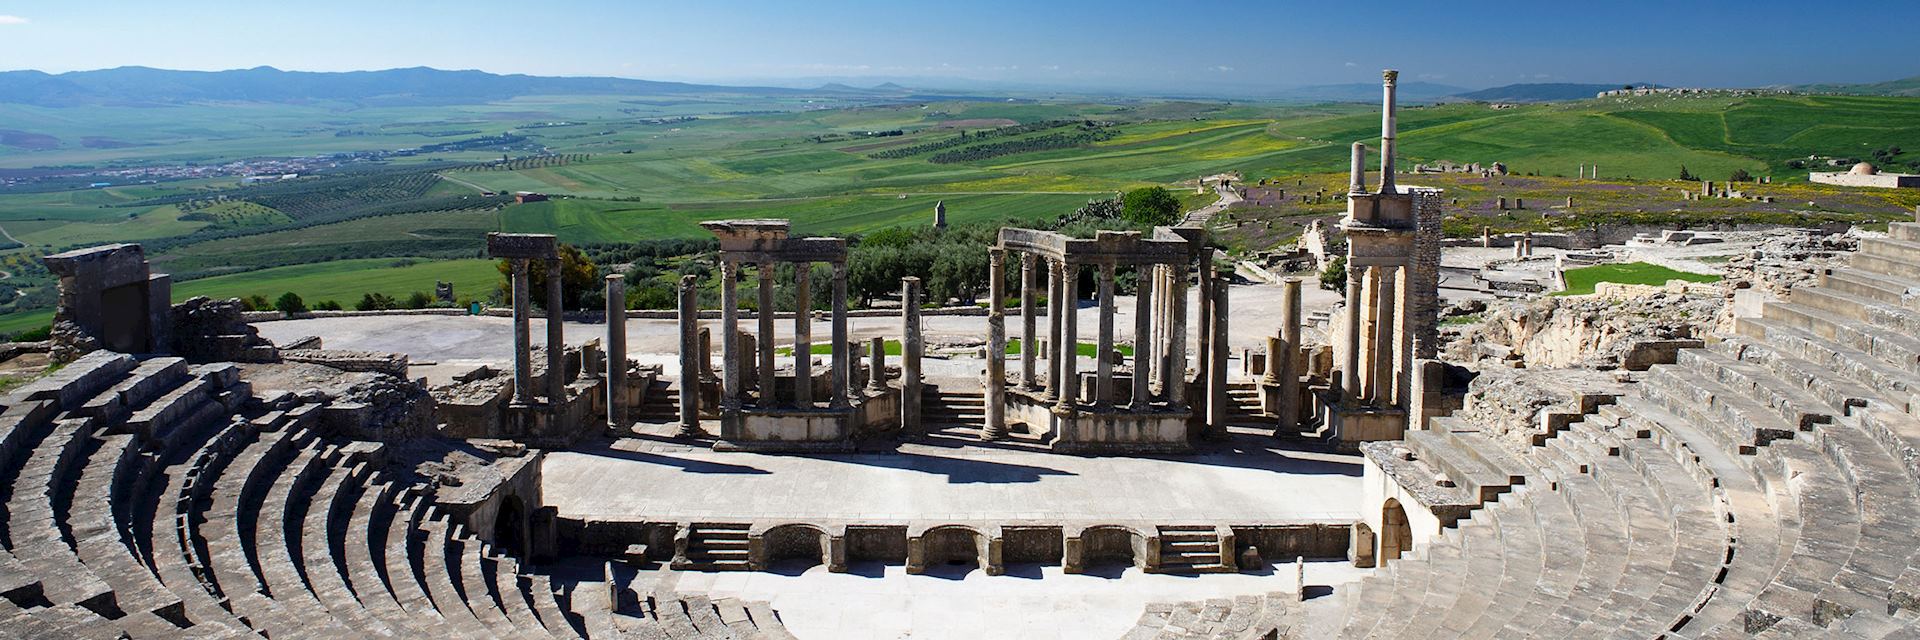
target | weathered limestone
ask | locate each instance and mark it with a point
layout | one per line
(802, 336)
(1029, 338)
(519, 249)
(1103, 362)
(842, 359)
(556, 337)
(617, 351)
(996, 426)
(769, 393)
(1143, 347)
(910, 350)
(109, 300)
(730, 346)
(689, 355)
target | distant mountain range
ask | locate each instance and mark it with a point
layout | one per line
(143, 86)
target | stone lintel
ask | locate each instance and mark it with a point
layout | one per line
(1107, 247)
(525, 246)
(107, 265)
(788, 250)
(754, 234)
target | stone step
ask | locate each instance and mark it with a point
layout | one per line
(1745, 424)
(1908, 231)
(1890, 247)
(104, 483)
(1873, 286)
(1846, 361)
(1794, 404)
(1453, 457)
(39, 497)
(1867, 310)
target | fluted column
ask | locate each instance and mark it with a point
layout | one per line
(996, 383)
(1103, 363)
(803, 334)
(1056, 294)
(1143, 344)
(689, 355)
(1203, 358)
(1029, 338)
(842, 361)
(729, 330)
(910, 350)
(522, 335)
(1067, 348)
(768, 396)
(556, 337)
(617, 351)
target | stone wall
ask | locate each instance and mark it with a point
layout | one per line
(1584, 331)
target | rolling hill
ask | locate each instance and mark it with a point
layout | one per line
(1540, 92)
(136, 86)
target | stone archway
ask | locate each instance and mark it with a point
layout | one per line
(803, 542)
(1107, 545)
(954, 545)
(510, 526)
(1396, 536)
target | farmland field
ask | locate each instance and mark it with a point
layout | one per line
(629, 168)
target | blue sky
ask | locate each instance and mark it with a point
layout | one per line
(1120, 44)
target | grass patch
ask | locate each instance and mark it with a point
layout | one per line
(1582, 281)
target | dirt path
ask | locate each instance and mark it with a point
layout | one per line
(463, 183)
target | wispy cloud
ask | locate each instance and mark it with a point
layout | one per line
(1352, 64)
(11, 20)
(1223, 69)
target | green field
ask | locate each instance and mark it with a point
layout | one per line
(627, 176)
(1581, 281)
(344, 281)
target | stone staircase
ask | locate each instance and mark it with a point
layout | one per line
(1765, 486)
(662, 405)
(954, 411)
(707, 546)
(1193, 549)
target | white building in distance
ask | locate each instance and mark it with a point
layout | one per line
(1866, 175)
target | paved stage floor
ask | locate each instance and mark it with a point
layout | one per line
(646, 480)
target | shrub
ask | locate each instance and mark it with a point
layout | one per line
(256, 302)
(374, 302)
(1334, 277)
(36, 334)
(290, 303)
(419, 300)
(326, 305)
(1740, 175)
(1150, 206)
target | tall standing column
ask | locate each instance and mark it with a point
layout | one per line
(768, 395)
(1029, 338)
(803, 334)
(1143, 344)
(556, 337)
(1350, 343)
(729, 332)
(1174, 383)
(1156, 344)
(1384, 325)
(522, 336)
(1217, 405)
(1403, 329)
(617, 352)
(996, 344)
(1056, 300)
(1203, 367)
(689, 355)
(1389, 79)
(1290, 341)
(910, 349)
(842, 361)
(1102, 354)
(1068, 347)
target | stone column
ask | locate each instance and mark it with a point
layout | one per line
(1202, 364)
(1403, 330)
(1103, 363)
(996, 383)
(842, 360)
(1369, 329)
(556, 338)
(1174, 382)
(1290, 341)
(1387, 126)
(1156, 344)
(689, 355)
(1056, 288)
(1143, 344)
(1350, 344)
(1067, 348)
(729, 329)
(1217, 406)
(877, 365)
(1029, 338)
(1358, 172)
(522, 335)
(1381, 383)
(768, 395)
(1276, 351)
(910, 348)
(617, 351)
(803, 334)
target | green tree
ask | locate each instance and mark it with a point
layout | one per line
(374, 302)
(1150, 206)
(290, 302)
(1740, 175)
(1334, 277)
(578, 274)
(419, 300)
(1687, 175)
(256, 302)
(327, 305)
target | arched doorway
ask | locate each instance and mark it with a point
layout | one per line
(1396, 536)
(510, 526)
(803, 543)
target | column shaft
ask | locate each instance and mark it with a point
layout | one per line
(522, 335)
(689, 354)
(1350, 343)
(996, 382)
(910, 350)
(729, 329)
(1029, 338)
(769, 396)
(1203, 359)
(1174, 383)
(617, 351)
(556, 337)
(1217, 405)
(877, 365)
(1068, 347)
(803, 334)
(1056, 294)
(842, 361)
(1145, 281)
(1103, 360)
(1290, 341)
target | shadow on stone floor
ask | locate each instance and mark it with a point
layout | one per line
(689, 466)
(957, 470)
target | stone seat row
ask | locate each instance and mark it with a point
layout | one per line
(1270, 616)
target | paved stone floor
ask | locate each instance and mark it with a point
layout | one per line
(1029, 602)
(643, 480)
